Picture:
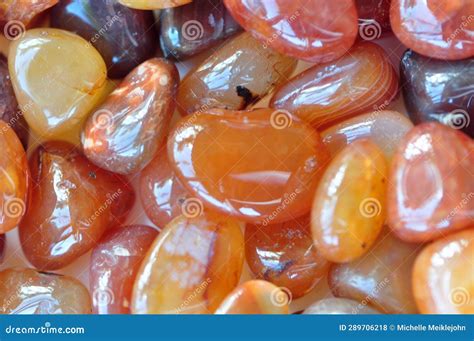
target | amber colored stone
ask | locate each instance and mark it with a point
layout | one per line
(198, 26)
(153, 4)
(260, 166)
(374, 18)
(439, 90)
(71, 204)
(284, 254)
(443, 277)
(435, 28)
(14, 177)
(27, 291)
(381, 278)
(314, 30)
(15, 15)
(3, 242)
(191, 267)
(58, 79)
(114, 265)
(431, 185)
(363, 80)
(338, 306)
(233, 77)
(385, 128)
(255, 297)
(124, 133)
(349, 206)
(162, 195)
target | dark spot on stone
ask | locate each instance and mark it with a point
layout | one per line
(246, 94)
(92, 175)
(364, 245)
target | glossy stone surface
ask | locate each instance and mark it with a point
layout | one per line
(114, 265)
(255, 297)
(284, 254)
(71, 204)
(153, 4)
(196, 27)
(435, 28)
(57, 79)
(431, 184)
(14, 176)
(27, 291)
(385, 128)
(125, 132)
(15, 15)
(9, 109)
(303, 29)
(349, 204)
(162, 195)
(443, 279)
(381, 278)
(438, 90)
(191, 267)
(123, 36)
(374, 18)
(361, 81)
(233, 77)
(338, 306)
(260, 166)
(3, 242)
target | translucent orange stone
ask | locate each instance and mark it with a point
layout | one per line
(338, 306)
(27, 291)
(304, 29)
(284, 254)
(16, 14)
(349, 206)
(435, 28)
(255, 297)
(261, 166)
(13, 179)
(114, 264)
(431, 184)
(361, 81)
(191, 267)
(443, 276)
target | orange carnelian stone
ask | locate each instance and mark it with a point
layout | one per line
(431, 183)
(314, 30)
(114, 264)
(284, 254)
(13, 179)
(360, 81)
(349, 205)
(443, 275)
(191, 267)
(255, 297)
(261, 166)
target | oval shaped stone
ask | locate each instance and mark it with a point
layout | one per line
(233, 77)
(303, 29)
(360, 81)
(443, 280)
(431, 186)
(349, 205)
(191, 267)
(381, 278)
(125, 132)
(153, 4)
(255, 297)
(260, 166)
(439, 90)
(58, 79)
(385, 128)
(338, 306)
(71, 204)
(435, 28)
(284, 254)
(196, 27)
(114, 265)
(123, 36)
(16, 15)
(14, 177)
(27, 291)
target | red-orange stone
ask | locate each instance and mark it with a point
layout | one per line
(114, 265)
(313, 30)
(435, 28)
(70, 205)
(260, 166)
(431, 183)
